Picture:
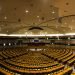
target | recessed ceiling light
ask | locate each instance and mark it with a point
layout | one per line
(26, 11)
(5, 17)
(38, 16)
(53, 12)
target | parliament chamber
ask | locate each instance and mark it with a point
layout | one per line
(29, 56)
(37, 37)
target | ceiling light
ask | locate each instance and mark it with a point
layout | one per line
(53, 12)
(38, 16)
(5, 17)
(26, 11)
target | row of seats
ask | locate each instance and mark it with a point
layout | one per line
(61, 55)
(11, 52)
(20, 61)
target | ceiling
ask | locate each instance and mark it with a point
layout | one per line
(37, 16)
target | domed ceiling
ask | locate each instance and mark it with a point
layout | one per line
(37, 16)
